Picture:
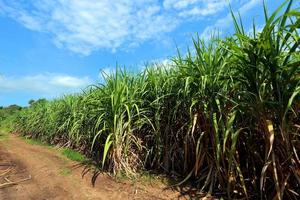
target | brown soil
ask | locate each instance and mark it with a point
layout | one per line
(55, 177)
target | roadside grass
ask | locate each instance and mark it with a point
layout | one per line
(36, 142)
(146, 178)
(3, 136)
(73, 155)
(66, 152)
(5, 129)
(65, 171)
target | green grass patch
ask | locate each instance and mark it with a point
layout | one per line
(149, 178)
(36, 142)
(33, 141)
(3, 136)
(73, 155)
(5, 128)
(65, 171)
(146, 178)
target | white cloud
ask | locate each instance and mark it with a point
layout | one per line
(45, 84)
(165, 63)
(196, 8)
(225, 22)
(84, 26)
(69, 81)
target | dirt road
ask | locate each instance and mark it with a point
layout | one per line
(53, 176)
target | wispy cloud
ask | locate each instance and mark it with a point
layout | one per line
(226, 21)
(196, 8)
(46, 84)
(84, 26)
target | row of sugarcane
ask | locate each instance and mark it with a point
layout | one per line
(225, 115)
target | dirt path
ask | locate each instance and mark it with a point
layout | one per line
(55, 177)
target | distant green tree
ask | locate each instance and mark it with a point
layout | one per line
(7, 113)
(13, 108)
(43, 100)
(31, 102)
(36, 102)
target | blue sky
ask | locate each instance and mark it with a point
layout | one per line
(52, 47)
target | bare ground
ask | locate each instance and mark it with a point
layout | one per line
(48, 175)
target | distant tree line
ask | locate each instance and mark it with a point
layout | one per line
(8, 111)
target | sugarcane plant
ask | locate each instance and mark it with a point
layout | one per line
(224, 115)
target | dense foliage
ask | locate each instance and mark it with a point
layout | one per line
(7, 115)
(225, 115)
